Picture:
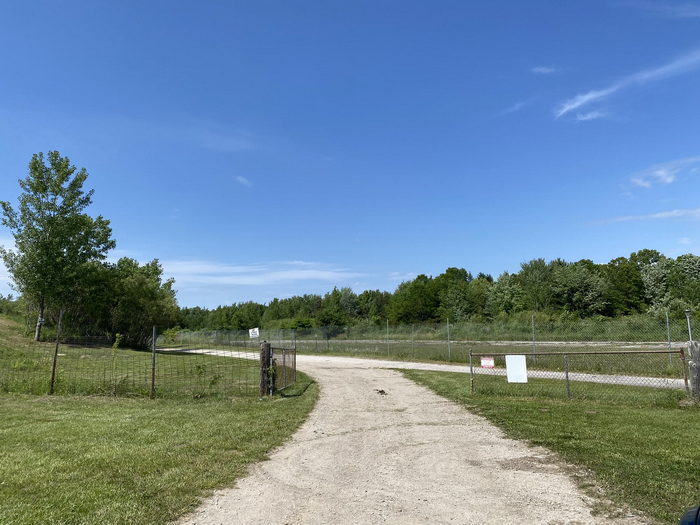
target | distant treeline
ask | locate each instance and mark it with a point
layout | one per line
(645, 282)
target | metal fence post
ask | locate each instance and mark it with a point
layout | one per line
(694, 351)
(449, 346)
(284, 366)
(413, 340)
(534, 344)
(55, 352)
(684, 366)
(668, 337)
(566, 375)
(690, 331)
(471, 372)
(387, 337)
(153, 364)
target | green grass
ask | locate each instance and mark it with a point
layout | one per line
(642, 454)
(25, 367)
(84, 460)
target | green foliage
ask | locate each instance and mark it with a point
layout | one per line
(646, 282)
(117, 341)
(414, 301)
(55, 240)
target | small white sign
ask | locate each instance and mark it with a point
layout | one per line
(254, 333)
(516, 369)
(487, 362)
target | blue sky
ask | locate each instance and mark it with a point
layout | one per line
(263, 149)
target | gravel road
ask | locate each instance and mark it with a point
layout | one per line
(378, 448)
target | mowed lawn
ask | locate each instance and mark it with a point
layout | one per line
(642, 455)
(73, 460)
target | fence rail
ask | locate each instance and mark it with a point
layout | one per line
(227, 362)
(206, 364)
(585, 375)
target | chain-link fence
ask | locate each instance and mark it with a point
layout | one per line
(642, 376)
(217, 362)
(201, 364)
(452, 342)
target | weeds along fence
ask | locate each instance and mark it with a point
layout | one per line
(644, 377)
(450, 342)
(204, 364)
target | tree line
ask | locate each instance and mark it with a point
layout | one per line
(59, 264)
(60, 270)
(646, 282)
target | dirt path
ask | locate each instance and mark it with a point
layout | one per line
(408, 456)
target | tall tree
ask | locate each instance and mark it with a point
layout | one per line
(53, 236)
(414, 301)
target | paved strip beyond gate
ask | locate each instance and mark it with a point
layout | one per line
(380, 449)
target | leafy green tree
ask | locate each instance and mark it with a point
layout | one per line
(193, 318)
(371, 305)
(339, 307)
(625, 290)
(248, 315)
(414, 301)
(535, 279)
(578, 288)
(141, 300)
(655, 275)
(54, 238)
(684, 280)
(506, 295)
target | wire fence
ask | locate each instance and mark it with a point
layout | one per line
(227, 363)
(640, 359)
(452, 343)
(592, 375)
(203, 364)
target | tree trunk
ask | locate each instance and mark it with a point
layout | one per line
(39, 321)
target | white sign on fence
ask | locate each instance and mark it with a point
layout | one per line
(516, 369)
(254, 333)
(487, 362)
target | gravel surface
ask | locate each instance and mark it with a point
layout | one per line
(378, 448)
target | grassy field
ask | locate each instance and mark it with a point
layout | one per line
(104, 371)
(25, 367)
(85, 460)
(642, 454)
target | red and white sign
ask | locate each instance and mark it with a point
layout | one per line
(487, 362)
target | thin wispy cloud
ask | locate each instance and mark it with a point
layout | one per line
(244, 182)
(591, 115)
(692, 214)
(515, 107)
(683, 64)
(670, 10)
(214, 273)
(665, 172)
(543, 70)
(685, 241)
(229, 142)
(400, 277)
